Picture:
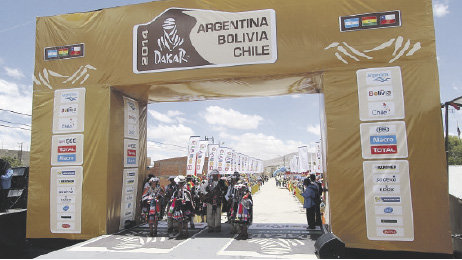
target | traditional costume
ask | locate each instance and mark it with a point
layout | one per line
(153, 197)
(242, 210)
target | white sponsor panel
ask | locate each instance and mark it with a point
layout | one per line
(388, 200)
(67, 149)
(129, 193)
(380, 93)
(131, 118)
(193, 147)
(384, 140)
(131, 155)
(69, 110)
(66, 199)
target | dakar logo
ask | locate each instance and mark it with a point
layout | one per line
(169, 44)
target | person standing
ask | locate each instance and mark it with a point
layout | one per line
(213, 198)
(5, 174)
(317, 200)
(154, 197)
(242, 216)
(308, 203)
(182, 207)
(169, 190)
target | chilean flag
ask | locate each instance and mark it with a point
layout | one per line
(388, 19)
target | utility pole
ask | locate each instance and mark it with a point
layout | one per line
(20, 154)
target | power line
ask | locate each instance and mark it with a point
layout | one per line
(15, 127)
(11, 111)
(167, 144)
(14, 123)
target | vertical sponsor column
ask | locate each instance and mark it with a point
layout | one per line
(386, 182)
(130, 172)
(193, 148)
(67, 159)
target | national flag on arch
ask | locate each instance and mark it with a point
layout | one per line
(75, 50)
(351, 23)
(388, 19)
(369, 20)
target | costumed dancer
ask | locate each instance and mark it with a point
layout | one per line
(145, 199)
(192, 189)
(169, 190)
(243, 217)
(232, 203)
(154, 197)
(182, 206)
(213, 197)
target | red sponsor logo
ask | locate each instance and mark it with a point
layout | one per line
(67, 149)
(131, 152)
(65, 225)
(384, 149)
(389, 231)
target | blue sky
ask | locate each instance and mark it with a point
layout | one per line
(260, 127)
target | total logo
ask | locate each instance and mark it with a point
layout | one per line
(67, 149)
(384, 149)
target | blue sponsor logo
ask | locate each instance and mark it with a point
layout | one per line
(67, 158)
(68, 172)
(131, 160)
(391, 199)
(351, 23)
(388, 210)
(382, 79)
(383, 139)
(66, 208)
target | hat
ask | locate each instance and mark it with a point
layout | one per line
(214, 172)
(154, 179)
(180, 178)
(171, 177)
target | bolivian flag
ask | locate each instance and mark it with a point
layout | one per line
(63, 52)
(369, 20)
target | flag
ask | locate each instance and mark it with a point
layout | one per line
(52, 54)
(63, 52)
(458, 131)
(369, 20)
(351, 23)
(200, 157)
(192, 154)
(75, 51)
(388, 19)
(213, 157)
(303, 159)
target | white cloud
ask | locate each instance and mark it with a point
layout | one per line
(174, 139)
(10, 137)
(440, 8)
(14, 73)
(259, 145)
(171, 117)
(15, 97)
(314, 129)
(230, 118)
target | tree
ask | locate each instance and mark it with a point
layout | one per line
(14, 162)
(455, 151)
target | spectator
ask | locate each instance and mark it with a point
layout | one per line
(6, 175)
(309, 204)
(317, 215)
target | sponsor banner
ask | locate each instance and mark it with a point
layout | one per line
(64, 52)
(200, 157)
(180, 39)
(294, 164)
(213, 157)
(221, 159)
(234, 167)
(380, 93)
(193, 147)
(67, 150)
(388, 200)
(318, 168)
(131, 153)
(229, 161)
(131, 118)
(66, 199)
(69, 111)
(384, 140)
(303, 159)
(370, 21)
(129, 193)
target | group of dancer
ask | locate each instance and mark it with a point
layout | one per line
(184, 197)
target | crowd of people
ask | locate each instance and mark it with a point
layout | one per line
(185, 197)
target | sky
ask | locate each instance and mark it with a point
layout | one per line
(264, 127)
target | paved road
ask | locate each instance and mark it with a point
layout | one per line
(278, 231)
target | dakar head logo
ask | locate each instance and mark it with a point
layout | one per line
(169, 44)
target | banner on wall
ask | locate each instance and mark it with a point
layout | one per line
(69, 111)
(384, 140)
(67, 150)
(180, 39)
(193, 147)
(131, 115)
(200, 156)
(131, 153)
(129, 193)
(213, 157)
(66, 199)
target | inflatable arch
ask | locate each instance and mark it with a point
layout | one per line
(374, 61)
